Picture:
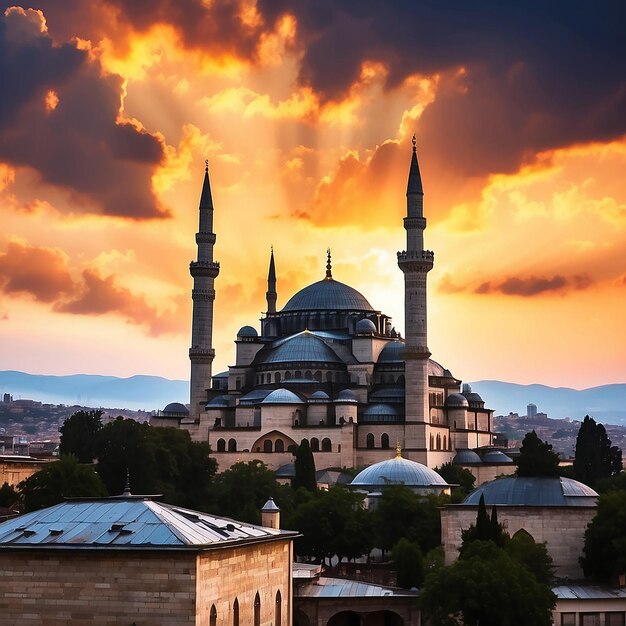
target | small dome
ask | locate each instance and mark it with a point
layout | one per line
(270, 505)
(247, 331)
(466, 457)
(398, 471)
(534, 491)
(319, 396)
(282, 396)
(496, 457)
(346, 395)
(218, 402)
(456, 399)
(175, 409)
(365, 327)
(380, 413)
(393, 352)
(328, 295)
(388, 394)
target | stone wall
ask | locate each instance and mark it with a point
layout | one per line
(14, 472)
(562, 528)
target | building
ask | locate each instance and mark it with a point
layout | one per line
(328, 367)
(132, 560)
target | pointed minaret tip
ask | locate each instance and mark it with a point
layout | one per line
(329, 266)
(415, 178)
(206, 200)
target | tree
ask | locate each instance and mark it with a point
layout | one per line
(485, 529)
(537, 457)
(409, 564)
(305, 467)
(65, 478)
(486, 587)
(455, 475)
(595, 458)
(604, 552)
(535, 557)
(8, 496)
(79, 433)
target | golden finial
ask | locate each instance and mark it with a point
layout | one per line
(398, 449)
(414, 142)
(329, 273)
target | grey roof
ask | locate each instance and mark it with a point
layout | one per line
(328, 295)
(254, 396)
(221, 375)
(365, 326)
(380, 409)
(282, 396)
(466, 457)
(319, 396)
(534, 491)
(388, 394)
(304, 347)
(288, 470)
(497, 457)
(456, 399)
(247, 331)
(346, 395)
(218, 402)
(398, 471)
(270, 505)
(125, 522)
(589, 592)
(344, 588)
(176, 408)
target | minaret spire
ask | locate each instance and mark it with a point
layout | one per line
(270, 294)
(415, 263)
(204, 272)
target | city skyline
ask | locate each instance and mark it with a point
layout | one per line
(519, 120)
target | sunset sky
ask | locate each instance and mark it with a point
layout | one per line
(305, 111)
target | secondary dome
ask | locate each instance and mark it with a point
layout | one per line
(247, 331)
(456, 399)
(282, 396)
(364, 327)
(398, 471)
(304, 347)
(328, 295)
(176, 409)
(534, 491)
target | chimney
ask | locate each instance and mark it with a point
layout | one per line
(270, 515)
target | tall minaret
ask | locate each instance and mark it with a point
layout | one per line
(415, 263)
(270, 294)
(204, 271)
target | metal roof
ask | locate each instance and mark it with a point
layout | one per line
(126, 522)
(343, 588)
(466, 457)
(534, 491)
(303, 347)
(328, 295)
(398, 471)
(589, 592)
(282, 396)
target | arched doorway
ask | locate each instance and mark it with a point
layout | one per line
(345, 618)
(383, 618)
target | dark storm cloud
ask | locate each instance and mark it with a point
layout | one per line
(535, 285)
(78, 145)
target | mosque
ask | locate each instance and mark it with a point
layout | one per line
(330, 368)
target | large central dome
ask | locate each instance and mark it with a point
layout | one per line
(328, 295)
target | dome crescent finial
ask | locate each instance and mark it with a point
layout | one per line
(398, 449)
(414, 142)
(329, 267)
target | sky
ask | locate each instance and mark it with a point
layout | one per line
(305, 111)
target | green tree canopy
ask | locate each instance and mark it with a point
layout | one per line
(8, 496)
(535, 557)
(79, 434)
(305, 467)
(604, 552)
(486, 528)
(65, 478)
(537, 457)
(486, 587)
(595, 458)
(455, 475)
(409, 563)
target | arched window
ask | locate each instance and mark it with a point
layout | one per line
(432, 442)
(327, 446)
(279, 446)
(308, 375)
(298, 374)
(438, 441)
(257, 610)
(267, 445)
(315, 444)
(221, 445)
(287, 375)
(232, 445)
(318, 376)
(369, 441)
(213, 616)
(329, 377)
(236, 612)
(337, 377)
(303, 440)
(384, 441)
(293, 448)
(278, 609)
(445, 442)
(277, 377)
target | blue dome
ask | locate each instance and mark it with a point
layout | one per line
(456, 399)
(392, 353)
(346, 395)
(365, 326)
(176, 409)
(319, 396)
(534, 491)
(282, 396)
(328, 295)
(466, 457)
(388, 394)
(381, 413)
(304, 347)
(218, 402)
(398, 471)
(495, 456)
(247, 331)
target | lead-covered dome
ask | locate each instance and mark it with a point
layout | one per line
(328, 295)
(398, 471)
(175, 409)
(304, 347)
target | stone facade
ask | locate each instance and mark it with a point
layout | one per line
(14, 471)
(561, 528)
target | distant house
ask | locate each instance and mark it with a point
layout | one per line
(132, 560)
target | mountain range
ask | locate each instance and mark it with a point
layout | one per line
(606, 403)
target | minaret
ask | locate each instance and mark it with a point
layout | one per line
(270, 294)
(204, 271)
(415, 263)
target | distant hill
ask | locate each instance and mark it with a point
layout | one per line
(606, 403)
(136, 392)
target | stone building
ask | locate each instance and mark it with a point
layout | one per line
(328, 367)
(553, 510)
(132, 560)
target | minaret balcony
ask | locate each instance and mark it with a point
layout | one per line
(204, 269)
(205, 237)
(415, 222)
(416, 260)
(201, 354)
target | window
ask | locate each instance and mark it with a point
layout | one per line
(298, 374)
(308, 375)
(236, 612)
(232, 445)
(213, 616)
(221, 445)
(590, 619)
(279, 446)
(278, 609)
(614, 618)
(327, 446)
(315, 444)
(568, 619)
(277, 377)
(267, 445)
(369, 441)
(257, 610)
(384, 441)
(287, 375)
(329, 377)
